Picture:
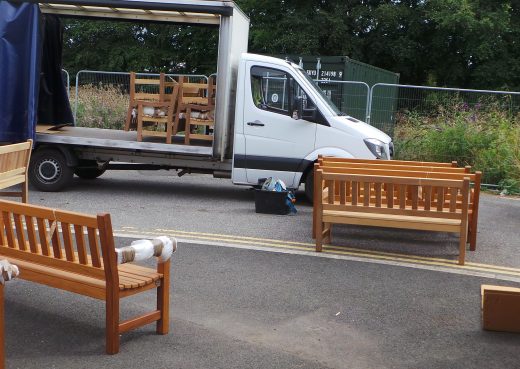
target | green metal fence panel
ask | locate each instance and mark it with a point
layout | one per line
(343, 68)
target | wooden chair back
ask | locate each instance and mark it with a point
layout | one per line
(14, 166)
(32, 233)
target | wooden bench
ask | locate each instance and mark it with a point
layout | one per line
(418, 172)
(383, 201)
(75, 252)
(14, 164)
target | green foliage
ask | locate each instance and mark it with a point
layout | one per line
(461, 43)
(488, 140)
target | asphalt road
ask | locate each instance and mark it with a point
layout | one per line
(244, 308)
(235, 308)
(150, 202)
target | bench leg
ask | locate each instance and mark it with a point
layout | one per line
(319, 235)
(163, 298)
(472, 234)
(462, 245)
(112, 324)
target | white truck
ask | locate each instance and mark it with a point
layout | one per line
(271, 119)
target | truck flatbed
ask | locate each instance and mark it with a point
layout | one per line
(117, 139)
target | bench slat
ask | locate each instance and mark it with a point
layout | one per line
(8, 225)
(67, 242)
(94, 247)
(55, 241)
(80, 244)
(31, 234)
(42, 231)
(20, 234)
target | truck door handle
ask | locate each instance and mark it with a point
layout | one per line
(256, 124)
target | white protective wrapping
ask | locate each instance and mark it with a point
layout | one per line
(162, 247)
(7, 271)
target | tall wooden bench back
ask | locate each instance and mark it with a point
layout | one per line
(14, 165)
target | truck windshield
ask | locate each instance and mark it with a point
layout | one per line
(326, 98)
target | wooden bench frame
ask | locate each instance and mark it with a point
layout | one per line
(416, 172)
(14, 165)
(81, 259)
(389, 208)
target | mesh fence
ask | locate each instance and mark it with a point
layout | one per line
(101, 99)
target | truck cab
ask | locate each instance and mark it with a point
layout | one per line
(283, 121)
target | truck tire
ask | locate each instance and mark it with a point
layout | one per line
(88, 169)
(48, 170)
(309, 185)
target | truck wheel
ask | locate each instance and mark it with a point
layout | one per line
(88, 169)
(309, 185)
(48, 171)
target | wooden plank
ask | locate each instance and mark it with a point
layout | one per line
(415, 196)
(408, 168)
(8, 225)
(12, 173)
(402, 196)
(52, 263)
(80, 244)
(355, 192)
(440, 198)
(378, 194)
(390, 195)
(31, 235)
(342, 193)
(20, 232)
(366, 193)
(139, 321)
(453, 199)
(42, 232)
(15, 147)
(67, 242)
(94, 247)
(389, 162)
(330, 185)
(393, 211)
(55, 240)
(393, 180)
(427, 194)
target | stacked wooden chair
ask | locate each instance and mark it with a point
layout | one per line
(197, 105)
(388, 189)
(153, 102)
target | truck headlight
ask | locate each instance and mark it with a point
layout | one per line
(377, 147)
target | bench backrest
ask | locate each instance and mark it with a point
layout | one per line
(387, 164)
(14, 164)
(393, 195)
(453, 164)
(73, 242)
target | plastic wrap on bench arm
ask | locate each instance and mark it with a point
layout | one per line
(7, 271)
(163, 247)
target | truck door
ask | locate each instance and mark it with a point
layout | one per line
(276, 141)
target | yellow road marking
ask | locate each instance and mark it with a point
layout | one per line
(333, 250)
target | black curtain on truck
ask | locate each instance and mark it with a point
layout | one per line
(53, 107)
(19, 70)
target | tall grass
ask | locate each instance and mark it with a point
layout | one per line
(487, 138)
(102, 106)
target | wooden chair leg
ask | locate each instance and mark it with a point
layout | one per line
(473, 234)
(140, 124)
(163, 298)
(319, 234)
(2, 330)
(112, 322)
(187, 128)
(169, 129)
(128, 119)
(25, 192)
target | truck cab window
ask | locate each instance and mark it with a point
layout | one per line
(299, 96)
(270, 89)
